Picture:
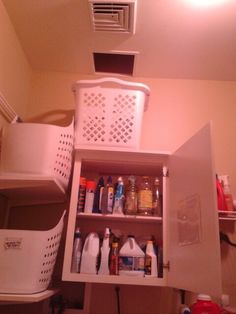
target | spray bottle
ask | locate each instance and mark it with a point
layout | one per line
(105, 251)
(119, 198)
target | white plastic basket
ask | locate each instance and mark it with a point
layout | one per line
(28, 258)
(109, 112)
(38, 149)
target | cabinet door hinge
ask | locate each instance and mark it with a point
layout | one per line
(165, 171)
(167, 265)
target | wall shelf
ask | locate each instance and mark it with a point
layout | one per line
(7, 298)
(227, 215)
(31, 189)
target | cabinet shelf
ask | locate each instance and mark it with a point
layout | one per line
(131, 280)
(124, 218)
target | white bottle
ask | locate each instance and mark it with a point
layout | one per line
(89, 196)
(131, 258)
(89, 258)
(105, 251)
(76, 256)
(150, 260)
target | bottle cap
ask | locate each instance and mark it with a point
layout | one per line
(91, 185)
(203, 297)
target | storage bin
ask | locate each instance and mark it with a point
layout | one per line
(28, 258)
(109, 112)
(33, 149)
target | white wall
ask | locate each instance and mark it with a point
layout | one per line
(15, 73)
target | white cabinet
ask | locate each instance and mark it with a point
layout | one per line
(188, 227)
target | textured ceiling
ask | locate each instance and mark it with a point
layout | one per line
(173, 39)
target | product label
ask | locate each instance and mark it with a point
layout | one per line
(131, 263)
(12, 243)
(145, 199)
(148, 265)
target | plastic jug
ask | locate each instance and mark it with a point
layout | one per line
(89, 258)
(205, 305)
(131, 258)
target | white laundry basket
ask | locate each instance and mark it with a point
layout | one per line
(37, 149)
(28, 258)
(109, 112)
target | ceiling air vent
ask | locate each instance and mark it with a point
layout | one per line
(113, 17)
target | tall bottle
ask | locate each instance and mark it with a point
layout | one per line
(97, 196)
(107, 197)
(156, 200)
(105, 250)
(150, 260)
(145, 197)
(81, 195)
(114, 259)
(89, 196)
(118, 208)
(131, 197)
(221, 203)
(77, 247)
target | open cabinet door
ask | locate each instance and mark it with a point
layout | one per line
(193, 244)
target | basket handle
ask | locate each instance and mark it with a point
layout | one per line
(123, 84)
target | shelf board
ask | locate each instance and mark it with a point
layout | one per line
(110, 279)
(31, 189)
(7, 298)
(127, 218)
(227, 215)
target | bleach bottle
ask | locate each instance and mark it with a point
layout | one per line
(205, 305)
(89, 258)
(131, 258)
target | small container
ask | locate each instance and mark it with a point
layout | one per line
(81, 195)
(89, 197)
(156, 200)
(204, 305)
(114, 259)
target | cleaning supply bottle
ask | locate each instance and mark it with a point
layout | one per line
(221, 203)
(97, 196)
(81, 194)
(150, 260)
(227, 192)
(156, 200)
(205, 305)
(105, 250)
(119, 198)
(131, 258)
(131, 197)
(89, 196)
(76, 256)
(145, 197)
(107, 197)
(90, 253)
(114, 259)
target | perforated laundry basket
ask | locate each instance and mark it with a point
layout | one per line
(109, 112)
(28, 258)
(38, 149)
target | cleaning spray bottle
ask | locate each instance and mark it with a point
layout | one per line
(105, 251)
(119, 198)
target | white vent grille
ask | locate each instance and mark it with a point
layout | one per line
(116, 16)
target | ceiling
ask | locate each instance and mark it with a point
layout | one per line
(173, 38)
